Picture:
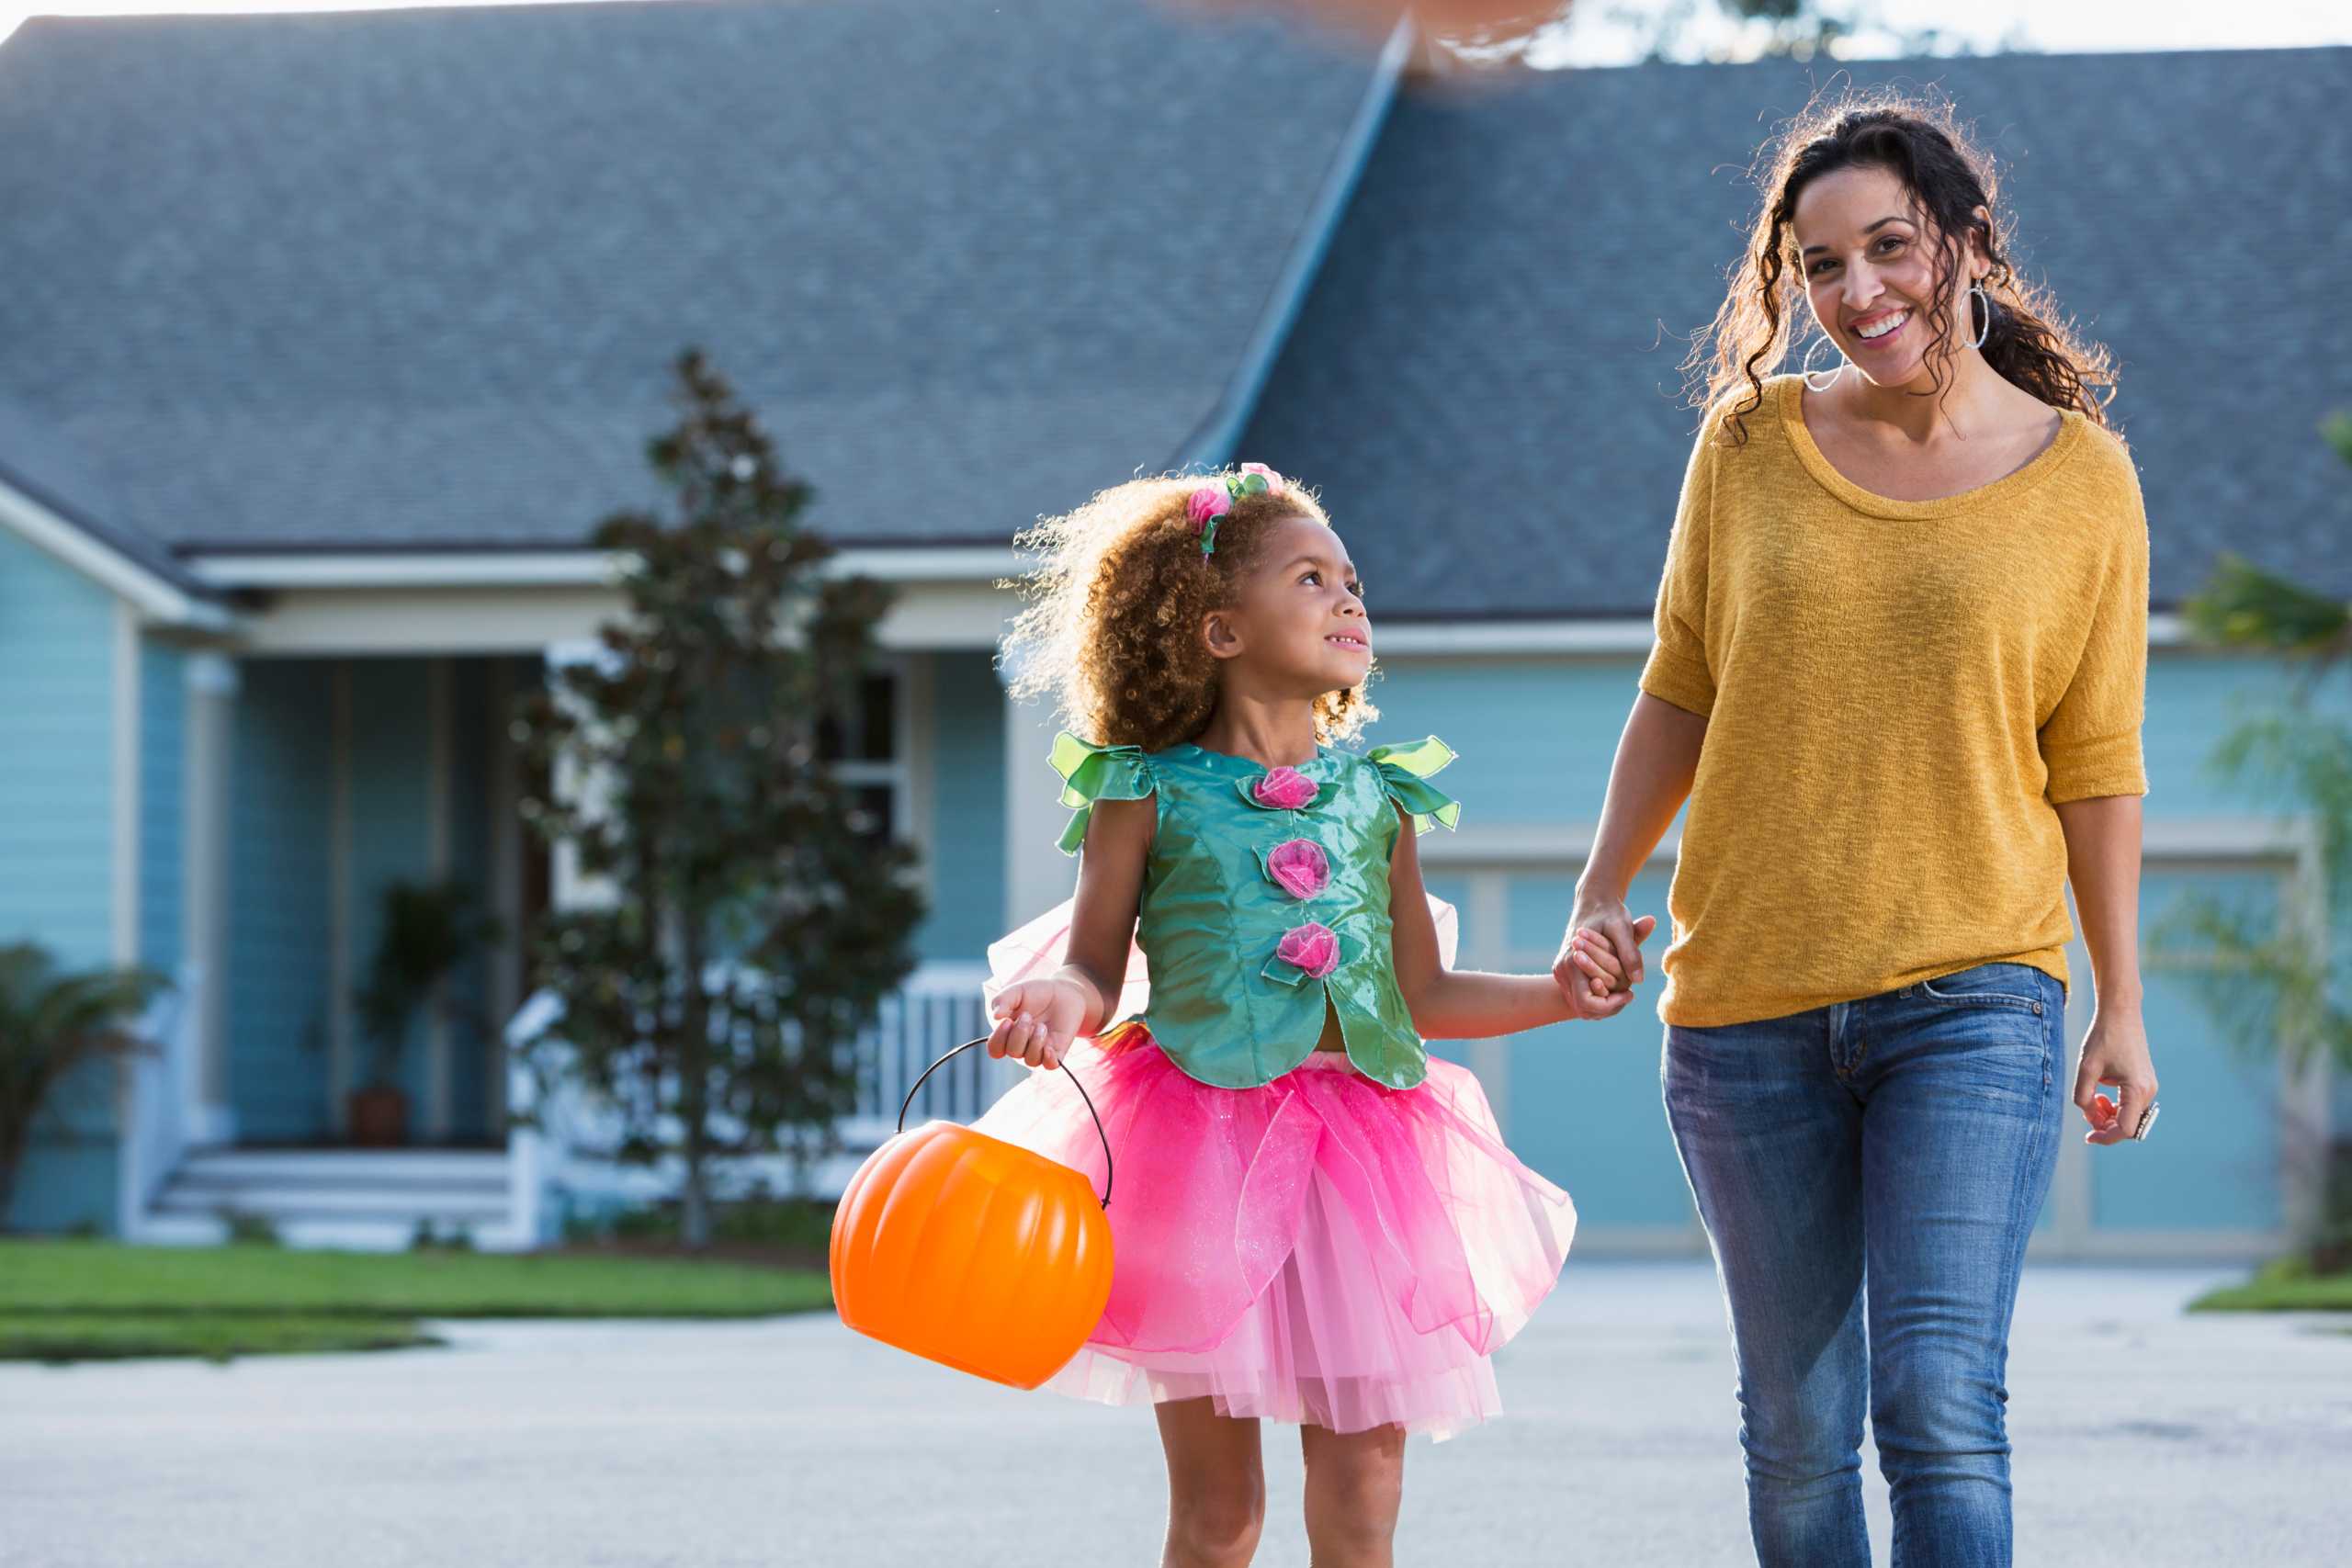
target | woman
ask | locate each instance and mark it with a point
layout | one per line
(1900, 660)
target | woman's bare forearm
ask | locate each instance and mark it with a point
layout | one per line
(1657, 758)
(2103, 866)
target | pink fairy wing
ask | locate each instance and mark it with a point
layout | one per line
(1035, 951)
(1449, 930)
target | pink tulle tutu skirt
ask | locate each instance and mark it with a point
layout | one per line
(1320, 1249)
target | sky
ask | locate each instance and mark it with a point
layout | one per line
(1614, 32)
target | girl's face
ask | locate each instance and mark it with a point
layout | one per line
(1871, 275)
(1297, 622)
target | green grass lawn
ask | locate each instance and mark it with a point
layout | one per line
(217, 1336)
(2288, 1285)
(81, 1300)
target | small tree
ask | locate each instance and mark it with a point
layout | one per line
(51, 1026)
(2274, 982)
(756, 917)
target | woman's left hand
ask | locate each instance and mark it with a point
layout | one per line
(2115, 1052)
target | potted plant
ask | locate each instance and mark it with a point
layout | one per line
(51, 1025)
(424, 931)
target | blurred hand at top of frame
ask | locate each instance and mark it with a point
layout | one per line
(1477, 22)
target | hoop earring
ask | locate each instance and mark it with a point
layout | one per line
(1977, 288)
(1808, 372)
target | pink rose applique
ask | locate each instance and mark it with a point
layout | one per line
(1209, 500)
(1301, 867)
(1284, 789)
(1274, 480)
(1312, 949)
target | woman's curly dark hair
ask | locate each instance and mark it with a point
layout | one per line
(2027, 340)
(1113, 633)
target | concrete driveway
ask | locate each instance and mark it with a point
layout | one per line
(2145, 1438)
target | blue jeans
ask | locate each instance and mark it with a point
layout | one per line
(1888, 1155)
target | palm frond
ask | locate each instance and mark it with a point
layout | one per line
(2266, 989)
(2299, 756)
(2244, 607)
(52, 1025)
(2337, 430)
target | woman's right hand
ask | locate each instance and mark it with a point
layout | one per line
(1601, 954)
(1036, 1020)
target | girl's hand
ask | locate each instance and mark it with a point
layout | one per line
(1036, 1020)
(1600, 958)
(2115, 1051)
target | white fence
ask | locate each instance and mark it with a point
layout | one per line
(553, 1165)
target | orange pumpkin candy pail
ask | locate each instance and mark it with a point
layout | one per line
(971, 1252)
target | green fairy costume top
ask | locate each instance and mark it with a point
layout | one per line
(1266, 891)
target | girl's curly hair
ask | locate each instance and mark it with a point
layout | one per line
(1113, 631)
(1919, 141)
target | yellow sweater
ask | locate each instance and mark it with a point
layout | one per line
(1898, 696)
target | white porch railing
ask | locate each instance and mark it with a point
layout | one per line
(551, 1164)
(159, 1087)
(937, 1009)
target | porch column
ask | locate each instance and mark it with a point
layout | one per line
(439, 762)
(123, 932)
(341, 891)
(212, 682)
(1036, 874)
(504, 785)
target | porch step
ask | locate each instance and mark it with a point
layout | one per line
(363, 1199)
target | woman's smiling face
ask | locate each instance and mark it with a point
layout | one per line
(1871, 273)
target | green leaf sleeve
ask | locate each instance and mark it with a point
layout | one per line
(1404, 774)
(1091, 772)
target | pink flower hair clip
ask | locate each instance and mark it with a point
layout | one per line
(1215, 498)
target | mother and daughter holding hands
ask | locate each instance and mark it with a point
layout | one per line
(1897, 682)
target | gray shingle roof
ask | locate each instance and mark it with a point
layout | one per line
(37, 462)
(1484, 379)
(414, 278)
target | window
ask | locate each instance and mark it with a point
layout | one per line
(868, 750)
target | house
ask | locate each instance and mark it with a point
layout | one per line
(327, 339)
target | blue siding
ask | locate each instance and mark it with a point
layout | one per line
(2215, 1161)
(277, 923)
(57, 848)
(968, 825)
(2193, 700)
(57, 786)
(1586, 1109)
(1535, 736)
(162, 803)
(68, 1182)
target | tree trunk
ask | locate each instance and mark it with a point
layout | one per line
(694, 1099)
(694, 1216)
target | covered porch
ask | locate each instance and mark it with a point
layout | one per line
(358, 740)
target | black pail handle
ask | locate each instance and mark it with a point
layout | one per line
(1108, 1173)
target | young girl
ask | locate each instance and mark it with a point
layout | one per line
(1312, 1220)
